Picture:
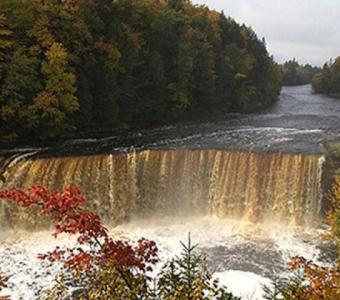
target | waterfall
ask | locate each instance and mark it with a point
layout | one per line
(253, 186)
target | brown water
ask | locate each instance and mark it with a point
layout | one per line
(251, 186)
(239, 202)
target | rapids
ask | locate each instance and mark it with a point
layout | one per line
(250, 186)
(247, 188)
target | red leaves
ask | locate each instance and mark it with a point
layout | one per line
(82, 260)
(65, 211)
(49, 201)
(124, 256)
(53, 256)
(63, 208)
(17, 196)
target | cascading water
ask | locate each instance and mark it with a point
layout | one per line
(238, 206)
(252, 186)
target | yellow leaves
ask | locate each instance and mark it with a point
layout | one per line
(323, 282)
(59, 81)
(41, 33)
(213, 15)
(45, 103)
(112, 54)
(249, 62)
(4, 31)
(6, 112)
(334, 216)
(57, 54)
(5, 43)
(334, 193)
(318, 282)
(132, 35)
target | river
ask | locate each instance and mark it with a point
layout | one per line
(247, 188)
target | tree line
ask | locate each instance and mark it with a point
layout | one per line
(82, 66)
(327, 81)
(296, 74)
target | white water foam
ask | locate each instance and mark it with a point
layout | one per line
(28, 275)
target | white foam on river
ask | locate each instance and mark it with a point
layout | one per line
(28, 275)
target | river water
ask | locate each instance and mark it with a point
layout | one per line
(213, 169)
(299, 122)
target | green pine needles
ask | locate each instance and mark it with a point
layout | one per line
(187, 277)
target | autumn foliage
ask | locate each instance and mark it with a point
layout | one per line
(308, 280)
(71, 67)
(103, 268)
(334, 215)
(324, 282)
(95, 251)
(2, 286)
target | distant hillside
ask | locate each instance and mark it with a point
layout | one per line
(296, 74)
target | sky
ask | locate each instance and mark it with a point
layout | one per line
(308, 30)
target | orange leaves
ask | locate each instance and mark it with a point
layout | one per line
(112, 54)
(45, 104)
(334, 215)
(2, 286)
(322, 282)
(133, 36)
(334, 193)
(41, 32)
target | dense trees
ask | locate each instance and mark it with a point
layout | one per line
(93, 66)
(327, 81)
(296, 74)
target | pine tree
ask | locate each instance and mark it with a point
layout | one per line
(187, 278)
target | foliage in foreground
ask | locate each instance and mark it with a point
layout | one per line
(3, 285)
(310, 281)
(334, 215)
(103, 65)
(101, 268)
(188, 277)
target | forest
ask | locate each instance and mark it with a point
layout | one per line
(327, 81)
(83, 67)
(296, 74)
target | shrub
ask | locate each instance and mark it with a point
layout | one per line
(187, 278)
(334, 214)
(309, 280)
(3, 285)
(101, 268)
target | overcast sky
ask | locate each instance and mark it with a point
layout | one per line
(308, 30)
